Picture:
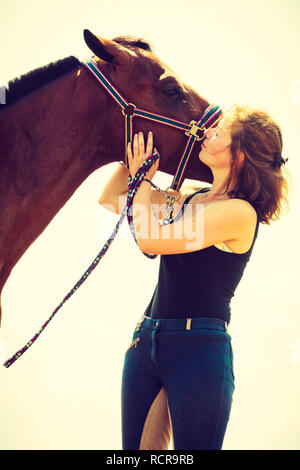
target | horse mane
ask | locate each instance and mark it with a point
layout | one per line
(31, 81)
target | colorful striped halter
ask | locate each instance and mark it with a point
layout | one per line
(211, 116)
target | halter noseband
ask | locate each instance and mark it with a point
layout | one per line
(211, 116)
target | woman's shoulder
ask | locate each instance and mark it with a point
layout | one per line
(243, 205)
(244, 217)
(242, 211)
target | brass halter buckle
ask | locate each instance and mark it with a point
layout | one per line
(194, 129)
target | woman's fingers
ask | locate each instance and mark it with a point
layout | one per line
(135, 146)
(129, 152)
(141, 144)
(139, 151)
(149, 144)
(139, 154)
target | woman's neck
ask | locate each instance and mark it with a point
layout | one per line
(218, 188)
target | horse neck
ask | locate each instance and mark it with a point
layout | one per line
(50, 139)
(48, 144)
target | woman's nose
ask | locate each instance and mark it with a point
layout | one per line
(207, 133)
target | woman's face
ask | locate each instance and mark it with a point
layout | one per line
(215, 149)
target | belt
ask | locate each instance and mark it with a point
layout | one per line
(173, 324)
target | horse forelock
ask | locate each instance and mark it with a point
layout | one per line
(133, 42)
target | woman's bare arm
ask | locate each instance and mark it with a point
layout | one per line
(114, 194)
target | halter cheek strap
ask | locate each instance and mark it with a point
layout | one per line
(194, 130)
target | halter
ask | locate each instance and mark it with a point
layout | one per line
(211, 116)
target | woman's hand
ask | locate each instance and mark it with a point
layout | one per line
(140, 154)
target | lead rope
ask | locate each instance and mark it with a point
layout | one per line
(133, 186)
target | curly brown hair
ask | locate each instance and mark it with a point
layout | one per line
(258, 179)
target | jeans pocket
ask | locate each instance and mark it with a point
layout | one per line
(133, 344)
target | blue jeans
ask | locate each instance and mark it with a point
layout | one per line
(177, 382)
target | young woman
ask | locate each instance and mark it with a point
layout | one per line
(178, 378)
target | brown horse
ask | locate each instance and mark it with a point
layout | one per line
(59, 125)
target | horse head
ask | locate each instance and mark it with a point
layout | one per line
(144, 80)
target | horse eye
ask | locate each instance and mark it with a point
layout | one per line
(171, 91)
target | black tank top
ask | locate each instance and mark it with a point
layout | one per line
(198, 283)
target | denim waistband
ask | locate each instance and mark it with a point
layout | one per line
(177, 324)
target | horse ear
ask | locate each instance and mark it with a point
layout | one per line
(97, 47)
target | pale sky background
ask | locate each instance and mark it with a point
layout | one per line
(64, 393)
